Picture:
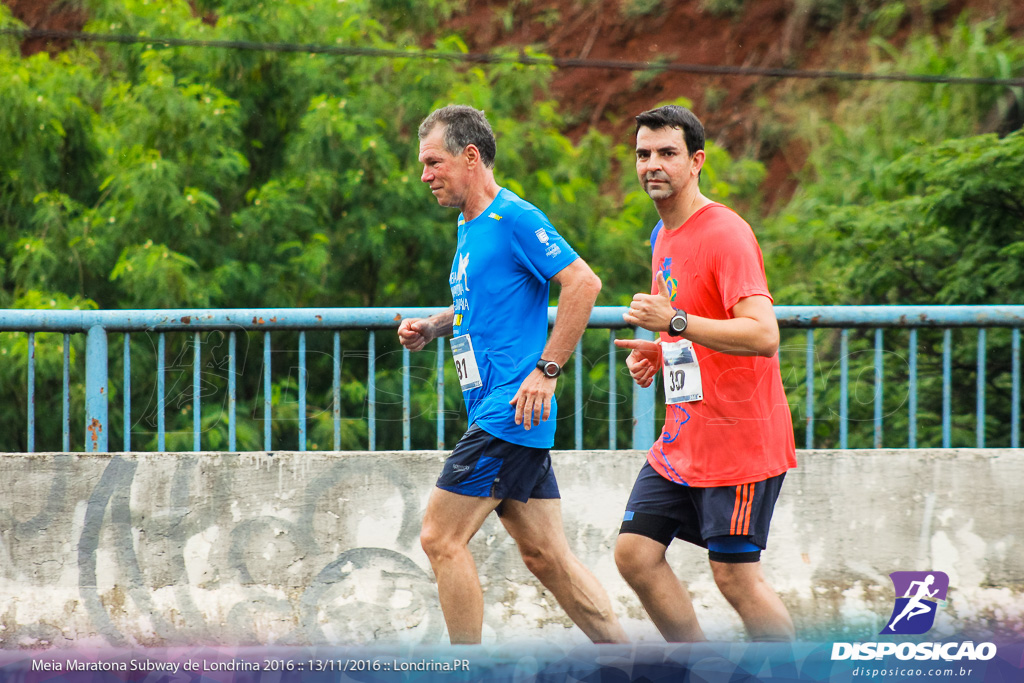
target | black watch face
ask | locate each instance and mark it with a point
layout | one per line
(551, 369)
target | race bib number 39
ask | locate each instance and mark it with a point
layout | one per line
(465, 363)
(682, 373)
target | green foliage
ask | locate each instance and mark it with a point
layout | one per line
(642, 79)
(827, 13)
(200, 177)
(720, 7)
(904, 203)
(549, 18)
(48, 127)
(873, 126)
(714, 97)
(160, 177)
(950, 233)
(887, 18)
(632, 9)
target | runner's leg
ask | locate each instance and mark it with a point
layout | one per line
(641, 561)
(449, 523)
(536, 526)
(760, 608)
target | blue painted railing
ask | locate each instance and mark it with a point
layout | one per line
(97, 325)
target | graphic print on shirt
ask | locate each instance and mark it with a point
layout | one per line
(552, 250)
(666, 439)
(461, 278)
(459, 283)
(680, 420)
(666, 270)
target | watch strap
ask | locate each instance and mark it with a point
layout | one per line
(679, 315)
(543, 366)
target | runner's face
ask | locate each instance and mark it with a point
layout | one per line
(663, 164)
(444, 173)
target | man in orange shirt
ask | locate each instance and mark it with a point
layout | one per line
(714, 474)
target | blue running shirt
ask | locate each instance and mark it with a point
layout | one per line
(499, 282)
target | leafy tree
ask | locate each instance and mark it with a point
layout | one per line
(161, 177)
(950, 234)
(900, 205)
(146, 176)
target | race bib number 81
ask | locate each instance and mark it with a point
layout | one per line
(465, 363)
(682, 372)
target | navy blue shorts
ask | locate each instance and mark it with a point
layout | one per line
(663, 510)
(485, 466)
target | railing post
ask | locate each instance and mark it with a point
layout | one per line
(613, 367)
(879, 397)
(440, 393)
(844, 388)
(643, 406)
(809, 436)
(31, 382)
(66, 393)
(406, 403)
(96, 424)
(1015, 389)
(912, 403)
(578, 395)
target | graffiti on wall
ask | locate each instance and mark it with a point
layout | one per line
(290, 549)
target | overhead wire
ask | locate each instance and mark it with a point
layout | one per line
(499, 58)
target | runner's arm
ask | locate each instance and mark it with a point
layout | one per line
(416, 333)
(752, 331)
(579, 290)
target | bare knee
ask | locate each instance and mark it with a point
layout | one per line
(438, 545)
(429, 541)
(747, 590)
(736, 581)
(626, 562)
(725, 578)
(540, 561)
(634, 566)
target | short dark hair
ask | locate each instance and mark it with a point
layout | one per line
(464, 126)
(674, 116)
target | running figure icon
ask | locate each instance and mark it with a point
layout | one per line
(916, 605)
(918, 598)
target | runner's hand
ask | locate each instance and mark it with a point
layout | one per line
(643, 361)
(533, 400)
(415, 333)
(651, 311)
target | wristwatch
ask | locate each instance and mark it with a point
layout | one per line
(677, 325)
(550, 368)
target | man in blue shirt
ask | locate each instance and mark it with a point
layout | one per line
(508, 368)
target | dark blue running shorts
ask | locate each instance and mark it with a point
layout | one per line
(485, 466)
(663, 510)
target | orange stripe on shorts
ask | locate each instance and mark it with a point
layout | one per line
(745, 527)
(736, 509)
(740, 525)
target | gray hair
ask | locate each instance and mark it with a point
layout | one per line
(464, 126)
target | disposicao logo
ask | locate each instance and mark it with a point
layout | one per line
(918, 596)
(917, 601)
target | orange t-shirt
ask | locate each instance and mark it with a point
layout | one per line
(741, 431)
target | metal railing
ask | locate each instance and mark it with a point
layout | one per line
(841, 320)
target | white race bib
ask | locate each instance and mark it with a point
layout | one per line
(465, 363)
(682, 372)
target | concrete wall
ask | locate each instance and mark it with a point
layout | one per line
(322, 548)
